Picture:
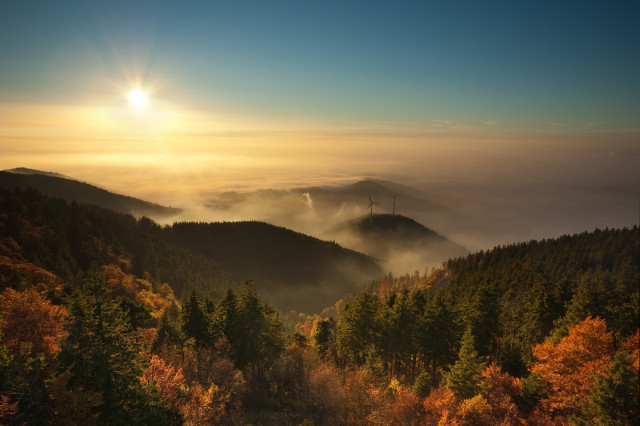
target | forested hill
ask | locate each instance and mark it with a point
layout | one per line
(55, 185)
(514, 297)
(537, 333)
(66, 239)
(292, 270)
(400, 242)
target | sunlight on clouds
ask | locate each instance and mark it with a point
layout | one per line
(177, 156)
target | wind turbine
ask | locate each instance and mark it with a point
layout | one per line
(394, 203)
(371, 203)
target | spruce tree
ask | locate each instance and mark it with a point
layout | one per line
(614, 397)
(462, 378)
(102, 355)
(358, 329)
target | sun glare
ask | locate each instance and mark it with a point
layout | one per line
(138, 98)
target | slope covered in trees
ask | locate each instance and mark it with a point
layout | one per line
(533, 333)
(292, 270)
(55, 185)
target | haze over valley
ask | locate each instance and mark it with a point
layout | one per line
(319, 212)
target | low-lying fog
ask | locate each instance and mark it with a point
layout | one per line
(478, 186)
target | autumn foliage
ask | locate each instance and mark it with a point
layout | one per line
(569, 367)
(30, 320)
(167, 379)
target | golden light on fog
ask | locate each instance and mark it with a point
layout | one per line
(138, 98)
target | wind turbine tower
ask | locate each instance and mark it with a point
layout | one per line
(371, 203)
(394, 203)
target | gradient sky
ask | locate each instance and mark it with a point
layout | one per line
(247, 94)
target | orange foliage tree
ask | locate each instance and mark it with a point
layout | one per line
(404, 407)
(325, 388)
(499, 391)
(363, 401)
(166, 378)
(441, 404)
(29, 318)
(569, 367)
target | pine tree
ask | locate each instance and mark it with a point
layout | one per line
(358, 329)
(195, 324)
(324, 337)
(614, 397)
(169, 331)
(482, 315)
(102, 354)
(399, 336)
(462, 378)
(438, 334)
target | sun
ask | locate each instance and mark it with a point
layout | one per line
(138, 98)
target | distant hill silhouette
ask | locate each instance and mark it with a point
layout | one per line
(56, 185)
(399, 242)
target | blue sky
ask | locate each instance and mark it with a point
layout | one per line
(515, 63)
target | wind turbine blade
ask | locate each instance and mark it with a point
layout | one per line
(369, 197)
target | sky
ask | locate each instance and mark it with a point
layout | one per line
(494, 100)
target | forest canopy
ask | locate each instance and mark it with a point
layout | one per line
(540, 332)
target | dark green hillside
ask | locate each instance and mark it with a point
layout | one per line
(516, 296)
(55, 185)
(292, 270)
(544, 286)
(67, 239)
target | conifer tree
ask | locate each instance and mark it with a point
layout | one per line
(169, 330)
(462, 378)
(614, 397)
(438, 334)
(398, 339)
(102, 355)
(358, 329)
(194, 321)
(324, 337)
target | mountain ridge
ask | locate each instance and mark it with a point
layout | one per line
(60, 186)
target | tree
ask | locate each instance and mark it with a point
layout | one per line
(422, 384)
(440, 404)
(28, 318)
(165, 378)
(196, 326)
(323, 337)
(438, 334)
(325, 388)
(462, 378)
(399, 336)
(169, 330)
(500, 390)
(194, 321)
(614, 398)
(358, 329)
(482, 315)
(102, 355)
(569, 366)
(258, 340)
(405, 407)
(30, 329)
